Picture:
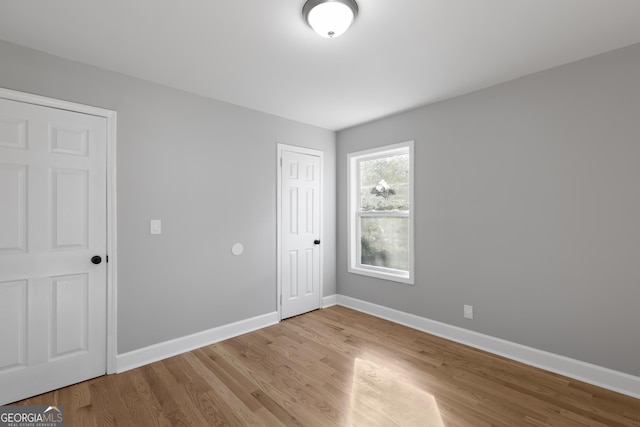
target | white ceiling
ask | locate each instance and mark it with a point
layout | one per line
(398, 54)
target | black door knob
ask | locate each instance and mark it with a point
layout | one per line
(96, 259)
(316, 242)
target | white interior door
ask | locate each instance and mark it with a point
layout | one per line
(52, 222)
(300, 233)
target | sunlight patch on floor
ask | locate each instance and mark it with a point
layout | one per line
(382, 397)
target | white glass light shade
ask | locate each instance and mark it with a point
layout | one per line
(330, 19)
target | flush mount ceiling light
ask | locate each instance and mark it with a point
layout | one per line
(330, 18)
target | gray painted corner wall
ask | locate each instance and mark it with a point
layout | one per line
(527, 207)
(207, 169)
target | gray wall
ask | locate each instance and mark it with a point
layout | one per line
(207, 169)
(527, 207)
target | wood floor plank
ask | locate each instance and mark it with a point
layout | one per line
(309, 401)
(238, 406)
(197, 391)
(166, 391)
(340, 367)
(276, 409)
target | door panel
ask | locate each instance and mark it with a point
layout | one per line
(69, 315)
(69, 208)
(300, 228)
(52, 221)
(13, 309)
(13, 209)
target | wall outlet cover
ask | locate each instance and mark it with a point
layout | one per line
(468, 311)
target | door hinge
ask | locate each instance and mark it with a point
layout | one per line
(107, 258)
(280, 161)
(280, 300)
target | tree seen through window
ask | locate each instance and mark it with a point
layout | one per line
(384, 187)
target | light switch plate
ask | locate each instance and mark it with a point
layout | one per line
(155, 226)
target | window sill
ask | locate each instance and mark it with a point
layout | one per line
(394, 277)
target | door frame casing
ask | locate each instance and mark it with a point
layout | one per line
(111, 249)
(312, 152)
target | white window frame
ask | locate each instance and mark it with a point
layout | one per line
(353, 172)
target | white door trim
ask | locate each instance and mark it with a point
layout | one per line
(110, 116)
(280, 148)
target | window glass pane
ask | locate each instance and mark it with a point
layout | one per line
(385, 242)
(384, 183)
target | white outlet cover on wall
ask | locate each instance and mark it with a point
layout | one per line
(468, 311)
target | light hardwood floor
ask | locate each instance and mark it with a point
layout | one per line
(339, 367)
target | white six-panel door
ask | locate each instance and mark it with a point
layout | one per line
(52, 222)
(300, 228)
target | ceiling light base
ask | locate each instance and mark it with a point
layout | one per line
(330, 18)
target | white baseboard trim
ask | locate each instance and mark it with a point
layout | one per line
(576, 369)
(163, 350)
(329, 301)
